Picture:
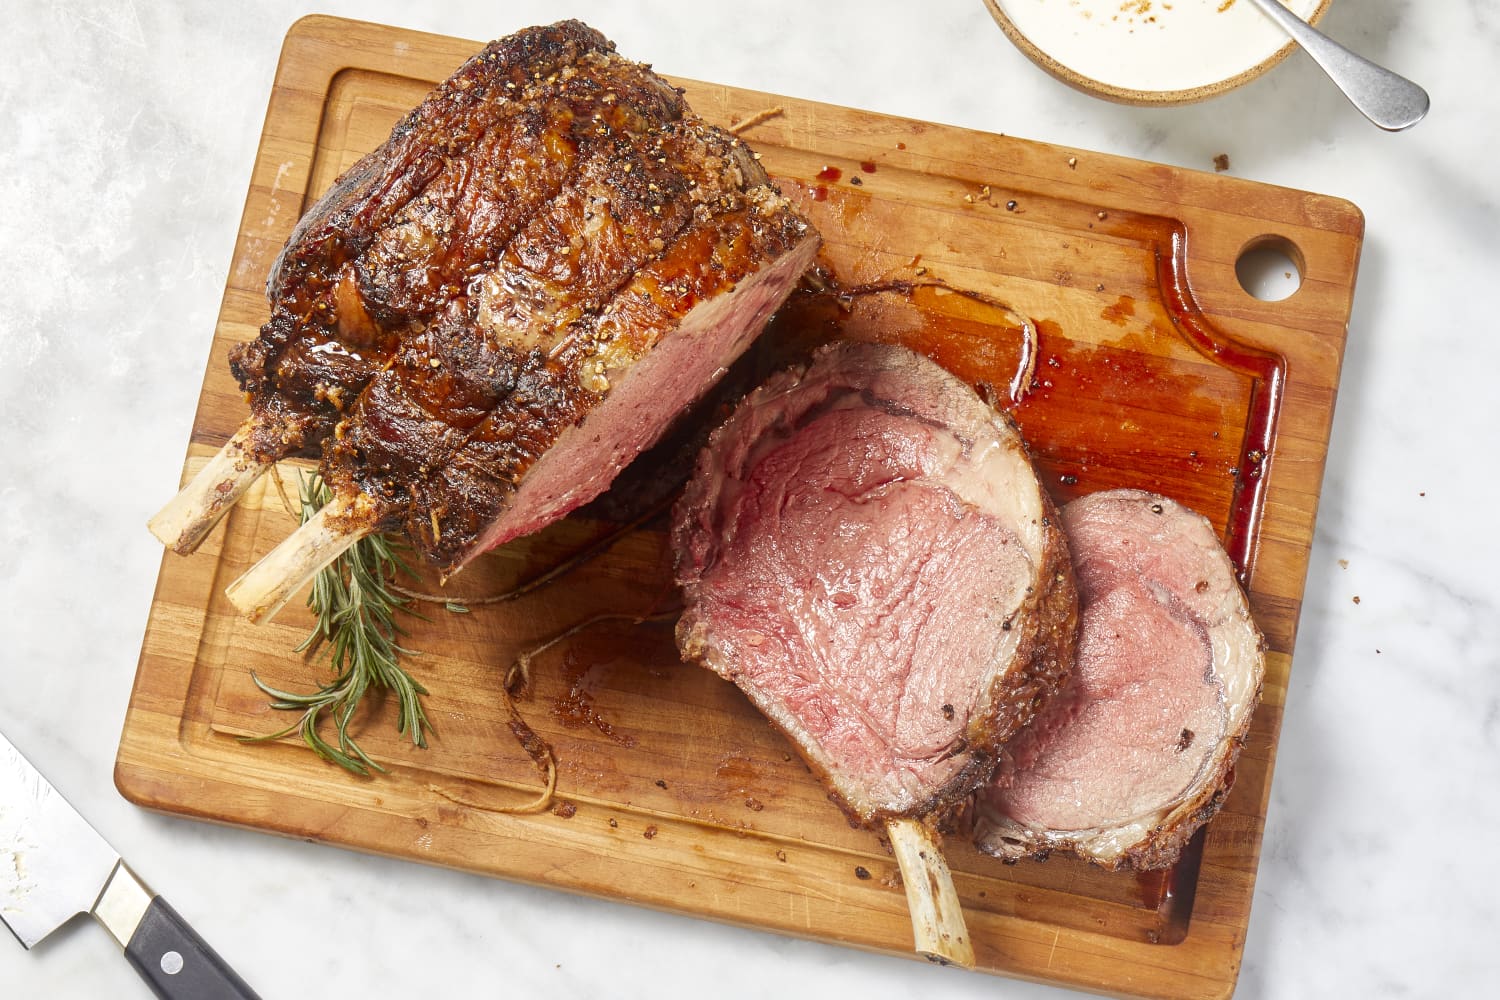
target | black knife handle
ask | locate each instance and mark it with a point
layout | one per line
(176, 963)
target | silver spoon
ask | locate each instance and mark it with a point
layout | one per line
(1390, 101)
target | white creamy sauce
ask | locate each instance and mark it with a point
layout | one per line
(1153, 45)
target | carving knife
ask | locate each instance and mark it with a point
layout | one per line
(53, 865)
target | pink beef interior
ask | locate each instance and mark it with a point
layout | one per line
(645, 400)
(866, 599)
(1144, 712)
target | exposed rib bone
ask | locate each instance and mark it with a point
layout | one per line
(270, 583)
(937, 919)
(189, 516)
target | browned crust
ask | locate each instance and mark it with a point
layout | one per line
(468, 485)
(604, 209)
(1162, 847)
(302, 286)
(1047, 646)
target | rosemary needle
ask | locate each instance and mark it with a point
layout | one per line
(355, 604)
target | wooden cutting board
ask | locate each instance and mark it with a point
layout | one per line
(1152, 368)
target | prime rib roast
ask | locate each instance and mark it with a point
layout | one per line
(1138, 750)
(488, 316)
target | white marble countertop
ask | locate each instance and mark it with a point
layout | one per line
(127, 133)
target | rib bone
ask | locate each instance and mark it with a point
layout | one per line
(190, 515)
(270, 583)
(937, 919)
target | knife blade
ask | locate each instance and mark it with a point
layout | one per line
(54, 866)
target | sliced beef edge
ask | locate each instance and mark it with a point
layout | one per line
(1212, 606)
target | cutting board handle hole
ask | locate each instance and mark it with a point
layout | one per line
(1270, 268)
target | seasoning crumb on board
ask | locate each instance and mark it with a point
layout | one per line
(1343, 564)
(650, 832)
(735, 128)
(1221, 163)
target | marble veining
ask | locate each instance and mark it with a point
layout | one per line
(127, 133)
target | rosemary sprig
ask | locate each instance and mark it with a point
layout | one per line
(356, 606)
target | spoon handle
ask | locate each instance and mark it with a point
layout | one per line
(1393, 102)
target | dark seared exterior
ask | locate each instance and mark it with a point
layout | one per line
(471, 288)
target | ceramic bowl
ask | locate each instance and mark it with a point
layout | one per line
(1150, 51)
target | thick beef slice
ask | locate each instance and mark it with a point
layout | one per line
(865, 551)
(1138, 750)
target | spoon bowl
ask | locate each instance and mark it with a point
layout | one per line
(1389, 100)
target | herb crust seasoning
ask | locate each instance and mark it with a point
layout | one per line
(491, 314)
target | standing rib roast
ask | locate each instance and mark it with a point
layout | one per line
(487, 317)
